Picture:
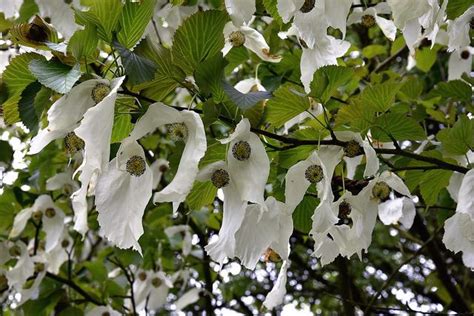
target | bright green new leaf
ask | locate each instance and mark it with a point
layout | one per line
(432, 182)
(201, 194)
(83, 43)
(379, 97)
(287, 102)
(456, 8)
(459, 139)
(397, 125)
(133, 21)
(328, 79)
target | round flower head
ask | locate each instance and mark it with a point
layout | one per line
(122, 193)
(354, 148)
(317, 169)
(233, 211)
(248, 163)
(188, 127)
(51, 216)
(95, 130)
(244, 35)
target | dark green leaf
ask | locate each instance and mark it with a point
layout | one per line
(138, 69)
(432, 182)
(455, 89)
(380, 97)
(398, 126)
(459, 139)
(26, 106)
(456, 8)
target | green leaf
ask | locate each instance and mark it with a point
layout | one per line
(459, 139)
(303, 213)
(454, 89)
(26, 106)
(105, 14)
(198, 38)
(287, 158)
(371, 51)
(208, 76)
(411, 89)
(167, 76)
(426, 57)
(6, 152)
(456, 8)
(271, 7)
(202, 193)
(17, 77)
(380, 97)
(55, 75)
(245, 101)
(356, 115)
(138, 69)
(328, 79)
(83, 43)
(399, 126)
(432, 182)
(288, 101)
(122, 127)
(133, 21)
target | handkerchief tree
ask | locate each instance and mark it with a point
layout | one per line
(253, 156)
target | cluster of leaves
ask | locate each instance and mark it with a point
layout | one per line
(368, 92)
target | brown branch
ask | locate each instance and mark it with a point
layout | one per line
(76, 288)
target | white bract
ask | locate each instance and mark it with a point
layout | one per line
(190, 129)
(238, 32)
(247, 160)
(250, 38)
(372, 162)
(122, 193)
(233, 209)
(51, 216)
(387, 26)
(151, 289)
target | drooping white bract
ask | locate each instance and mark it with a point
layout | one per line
(262, 229)
(277, 294)
(151, 287)
(62, 181)
(233, 212)
(325, 51)
(61, 15)
(372, 162)
(459, 29)
(66, 113)
(387, 26)
(160, 115)
(54, 258)
(355, 238)
(393, 210)
(52, 218)
(158, 167)
(250, 174)
(95, 130)
(311, 23)
(433, 20)
(248, 85)
(24, 267)
(166, 20)
(240, 11)
(122, 193)
(460, 62)
(190, 297)
(236, 36)
(102, 310)
(466, 194)
(185, 230)
(406, 16)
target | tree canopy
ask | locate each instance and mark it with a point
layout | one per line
(236, 156)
